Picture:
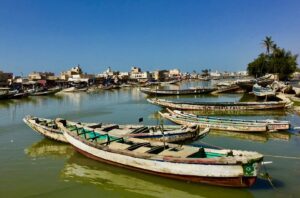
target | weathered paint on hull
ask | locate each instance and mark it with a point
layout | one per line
(58, 135)
(168, 137)
(272, 125)
(223, 175)
(218, 127)
(277, 126)
(173, 92)
(219, 181)
(219, 107)
(47, 132)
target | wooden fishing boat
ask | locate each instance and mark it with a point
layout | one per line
(5, 93)
(211, 166)
(247, 84)
(260, 91)
(232, 124)
(74, 89)
(219, 106)
(45, 92)
(215, 124)
(171, 133)
(169, 82)
(177, 92)
(226, 89)
(19, 95)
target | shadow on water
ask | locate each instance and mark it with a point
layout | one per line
(264, 184)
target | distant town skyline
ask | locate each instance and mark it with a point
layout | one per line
(54, 35)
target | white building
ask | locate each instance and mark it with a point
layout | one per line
(140, 75)
(215, 74)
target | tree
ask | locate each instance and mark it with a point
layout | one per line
(268, 43)
(279, 61)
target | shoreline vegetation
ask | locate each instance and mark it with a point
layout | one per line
(274, 60)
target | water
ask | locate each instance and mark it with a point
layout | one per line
(32, 166)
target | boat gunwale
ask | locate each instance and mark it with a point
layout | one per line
(155, 157)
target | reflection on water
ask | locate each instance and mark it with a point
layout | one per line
(33, 100)
(47, 147)
(258, 137)
(86, 171)
(125, 106)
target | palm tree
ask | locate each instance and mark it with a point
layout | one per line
(268, 43)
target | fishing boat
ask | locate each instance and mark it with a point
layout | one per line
(247, 84)
(169, 82)
(219, 106)
(215, 124)
(260, 91)
(169, 133)
(222, 167)
(5, 93)
(198, 90)
(226, 88)
(227, 124)
(44, 92)
(74, 89)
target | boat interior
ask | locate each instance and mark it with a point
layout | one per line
(144, 147)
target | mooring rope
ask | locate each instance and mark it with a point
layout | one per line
(268, 177)
(282, 156)
(266, 155)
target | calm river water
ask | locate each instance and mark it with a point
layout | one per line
(32, 166)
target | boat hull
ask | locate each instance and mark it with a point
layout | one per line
(177, 92)
(222, 175)
(172, 137)
(54, 134)
(219, 181)
(239, 106)
(229, 127)
(57, 134)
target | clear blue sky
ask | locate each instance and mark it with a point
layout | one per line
(54, 35)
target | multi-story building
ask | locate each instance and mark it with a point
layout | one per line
(40, 75)
(5, 78)
(140, 75)
(174, 73)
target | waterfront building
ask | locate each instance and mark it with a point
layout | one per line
(215, 74)
(135, 70)
(69, 74)
(35, 76)
(140, 76)
(5, 78)
(161, 75)
(174, 73)
(137, 74)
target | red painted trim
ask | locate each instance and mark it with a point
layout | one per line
(220, 181)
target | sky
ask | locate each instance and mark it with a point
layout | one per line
(224, 35)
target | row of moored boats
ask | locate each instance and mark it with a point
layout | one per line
(148, 149)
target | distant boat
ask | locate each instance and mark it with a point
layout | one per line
(169, 82)
(19, 95)
(75, 89)
(198, 90)
(225, 88)
(44, 92)
(227, 124)
(4, 93)
(225, 167)
(168, 133)
(249, 83)
(260, 91)
(219, 106)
